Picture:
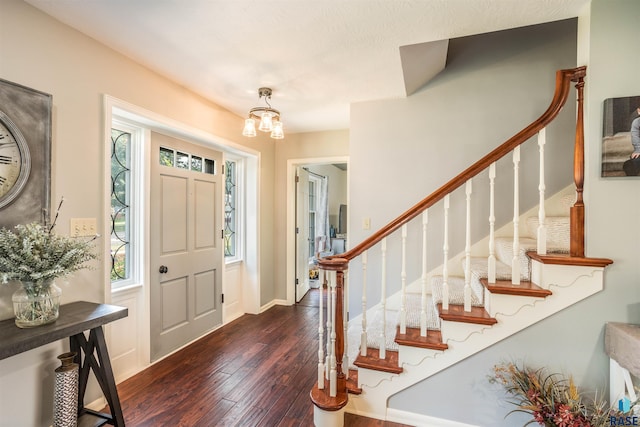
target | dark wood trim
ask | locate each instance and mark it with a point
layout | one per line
(352, 382)
(567, 259)
(563, 83)
(372, 361)
(322, 400)
(576, 213)
(412, 338)
(525, 288)
(456, 313)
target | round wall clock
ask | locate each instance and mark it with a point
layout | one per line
(15, 161)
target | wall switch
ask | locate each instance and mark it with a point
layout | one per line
(366, 223)
(83, 227)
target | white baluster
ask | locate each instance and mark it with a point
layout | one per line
(333, 373)
(542, 228)
(363, 334)
(345, 311)
(321, 367)
(403, 281)
(383, 301)
(445, 250)
(467, 251)
(515, 262)
(327, 363)
(423, 305)
(491, 267)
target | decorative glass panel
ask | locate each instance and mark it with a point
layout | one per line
(230, 214)
(209, 166)
(166, 156)
(120, 207)
(196, 163)
(182, 160)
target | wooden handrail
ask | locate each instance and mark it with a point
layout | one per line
(563, 83)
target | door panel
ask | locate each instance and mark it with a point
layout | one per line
(205, 205)
(205, 287)
(186, 247)
(173, 195)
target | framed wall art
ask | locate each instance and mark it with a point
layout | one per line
(620, 133)
(25, 154)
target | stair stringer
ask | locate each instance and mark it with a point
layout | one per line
(569, 284)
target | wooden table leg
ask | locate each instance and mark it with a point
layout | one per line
(101, 369)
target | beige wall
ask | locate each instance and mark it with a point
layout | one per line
(41, 53)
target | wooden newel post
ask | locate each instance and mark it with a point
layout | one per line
(576, 248)
(321, 397)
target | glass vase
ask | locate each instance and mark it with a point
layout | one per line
(36, 303)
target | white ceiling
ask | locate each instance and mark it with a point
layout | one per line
(317, 55)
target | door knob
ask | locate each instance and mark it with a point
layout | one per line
(163, 269)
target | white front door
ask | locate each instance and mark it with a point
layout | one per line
(186, 242)
(302, 236)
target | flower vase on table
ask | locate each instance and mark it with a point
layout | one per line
(34, 256)
(36, 303)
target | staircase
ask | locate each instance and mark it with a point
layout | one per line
(445, 317)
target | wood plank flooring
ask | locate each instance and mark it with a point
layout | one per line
(255, 371)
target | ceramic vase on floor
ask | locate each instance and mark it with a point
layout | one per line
(65, 393)
(36, 303)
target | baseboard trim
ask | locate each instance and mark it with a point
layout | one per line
(274, 302)
(419, 420)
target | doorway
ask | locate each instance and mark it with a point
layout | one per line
(320, 203)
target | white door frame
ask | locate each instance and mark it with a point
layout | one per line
(114, 107)
(292, 164)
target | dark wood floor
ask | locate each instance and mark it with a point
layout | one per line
(255, 371)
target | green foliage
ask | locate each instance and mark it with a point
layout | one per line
(34, 253)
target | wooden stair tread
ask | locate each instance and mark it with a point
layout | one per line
(456, 313)
(352, 382)
(412, 338)
(566, 259)
(525, 288)
(372, 361)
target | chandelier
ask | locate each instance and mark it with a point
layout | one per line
(269, 118)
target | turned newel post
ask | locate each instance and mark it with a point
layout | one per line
(334, 397)
(576, 248)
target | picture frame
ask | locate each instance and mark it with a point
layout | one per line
(618, 116)
(30, 111)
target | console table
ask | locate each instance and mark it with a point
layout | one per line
(74, 319)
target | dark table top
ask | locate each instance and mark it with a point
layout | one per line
(74, 318)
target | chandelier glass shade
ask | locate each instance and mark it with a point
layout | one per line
(268, 118)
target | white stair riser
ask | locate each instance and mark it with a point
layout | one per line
(506, 304)
(372, 378)
(409, 355)
(546, 275)
(458, 331)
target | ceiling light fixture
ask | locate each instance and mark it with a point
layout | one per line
(269, 118)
